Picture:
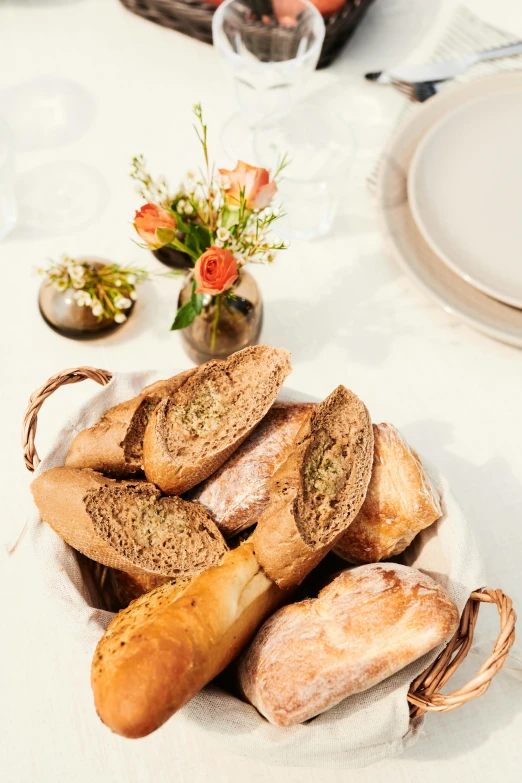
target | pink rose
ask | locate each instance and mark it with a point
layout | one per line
(149, 219)
(215, 271)
(253, 181)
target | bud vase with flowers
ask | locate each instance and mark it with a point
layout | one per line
(222, 222)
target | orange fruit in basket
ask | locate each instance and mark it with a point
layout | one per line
(286, 11)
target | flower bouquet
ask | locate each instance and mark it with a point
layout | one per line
(221, 222)
(86, 297)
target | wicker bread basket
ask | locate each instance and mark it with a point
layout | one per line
(194, 18)
(424, 693)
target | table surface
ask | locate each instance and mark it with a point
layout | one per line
(340, 305)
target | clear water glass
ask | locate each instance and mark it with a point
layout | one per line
(321, 148)
(7, 181)
(271, 49)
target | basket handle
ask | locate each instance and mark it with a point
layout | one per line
(424, 693)
(37, 399)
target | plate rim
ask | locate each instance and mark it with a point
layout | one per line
(440, 99)
(413, 173)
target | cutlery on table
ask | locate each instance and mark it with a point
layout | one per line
(440, 71)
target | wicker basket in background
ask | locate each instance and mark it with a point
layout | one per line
(194, 18)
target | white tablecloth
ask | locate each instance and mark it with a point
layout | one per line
(340, 305)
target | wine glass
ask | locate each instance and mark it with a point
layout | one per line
(270, 49)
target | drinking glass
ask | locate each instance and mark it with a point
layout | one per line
(320, 146)
(7, 181)
(271, 49)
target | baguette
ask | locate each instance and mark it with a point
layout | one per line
(114, 445)
(127, 525)
(318, 491)
(238, 493)
(400, 502)
(160, 651)
(367, 624)
(190, 435)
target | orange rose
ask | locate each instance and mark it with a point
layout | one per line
(149, 219)
(215, 271)
(254, 182)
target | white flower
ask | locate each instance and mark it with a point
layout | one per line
(96, 308)
(61, 285)
(133, 295)
(181, 205)
(270, 257)
(286, 243)
(122, 303)
(223, 234)
(276, 240)
(76, 272)
(131, 279)
(78, 283)
(189, 209)
(117, 282)
(218, 243)
(120, 318)
(82, 298)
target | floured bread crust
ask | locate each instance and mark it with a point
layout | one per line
(367, 624)
(400, 502)
(238, 493)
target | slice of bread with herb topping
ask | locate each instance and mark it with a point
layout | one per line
(192, 433)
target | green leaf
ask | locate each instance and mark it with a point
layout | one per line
(184, 316)
(196, 300)
(182, 226)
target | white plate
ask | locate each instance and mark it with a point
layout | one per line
(465, 192)
(407, 244)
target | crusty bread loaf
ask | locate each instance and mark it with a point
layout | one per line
(363, 627)
(127, 525)
(114, 445)
(160, 651)
(318, 491)
(401, 500)
(191, 434)
(238, 493)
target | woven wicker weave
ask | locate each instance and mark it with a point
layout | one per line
(424, 694)
(195, 19)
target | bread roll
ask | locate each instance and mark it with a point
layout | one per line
(238, 493)
(127, 525)
(363, 627)
(160, 651)
(401, 501)
(191, 434)
(114, 445)
(318, 491)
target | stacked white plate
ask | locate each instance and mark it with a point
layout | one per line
(449, 194)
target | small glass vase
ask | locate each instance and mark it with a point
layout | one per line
(61, 312)
(239, 324)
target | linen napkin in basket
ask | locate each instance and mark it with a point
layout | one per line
(361, 730)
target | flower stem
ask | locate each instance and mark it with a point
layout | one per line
(215, 323)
